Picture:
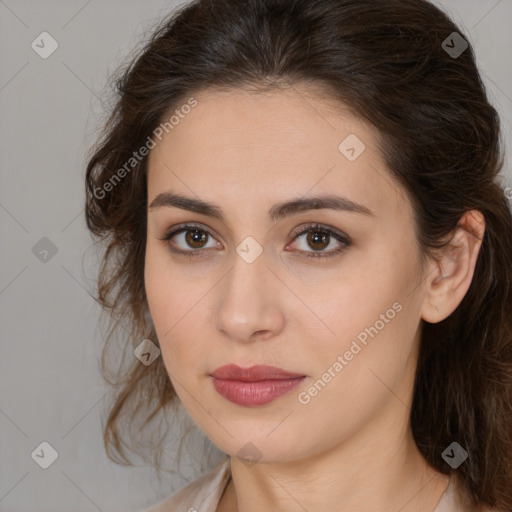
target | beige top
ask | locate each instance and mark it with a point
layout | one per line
(204, 493)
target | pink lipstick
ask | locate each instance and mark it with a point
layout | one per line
(257, 385)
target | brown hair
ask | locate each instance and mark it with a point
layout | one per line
(440, 137)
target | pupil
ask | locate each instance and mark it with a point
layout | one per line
(321, 238)
(196, 237)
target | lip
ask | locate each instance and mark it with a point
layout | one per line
(254, 386)
(255, 373)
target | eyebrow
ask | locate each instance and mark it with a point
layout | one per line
(277, 212)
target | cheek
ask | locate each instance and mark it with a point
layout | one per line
(171, 304)
(155, 287)
(354, 379)
(161, 296)
(164, 289)
(372, 319)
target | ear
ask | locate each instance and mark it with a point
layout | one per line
(450, 275)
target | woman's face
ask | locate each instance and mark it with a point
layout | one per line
(264, 286)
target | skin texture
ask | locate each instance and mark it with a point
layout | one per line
(350, 447)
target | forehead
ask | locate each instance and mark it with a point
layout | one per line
(269, 146)
(286, 120)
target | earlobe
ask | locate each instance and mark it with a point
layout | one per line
(453, 272)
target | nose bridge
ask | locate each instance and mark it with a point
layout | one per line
(247, 304)
(249, 267)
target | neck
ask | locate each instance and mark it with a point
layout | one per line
(367, 472)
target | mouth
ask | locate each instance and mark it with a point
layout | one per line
(254, 386)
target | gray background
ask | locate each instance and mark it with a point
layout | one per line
(51, 388)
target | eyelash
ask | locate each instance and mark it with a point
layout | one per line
(313, 227)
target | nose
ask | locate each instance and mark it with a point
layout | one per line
(250, 302)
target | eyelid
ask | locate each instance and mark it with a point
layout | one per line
(320, 227)
(341, 238)
(187, 226)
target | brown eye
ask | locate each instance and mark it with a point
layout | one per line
(195, 238)
(189, 240)
(319, 238)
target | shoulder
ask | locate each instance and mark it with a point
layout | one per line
(458, 499)
(484, 508)
(201, 495)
